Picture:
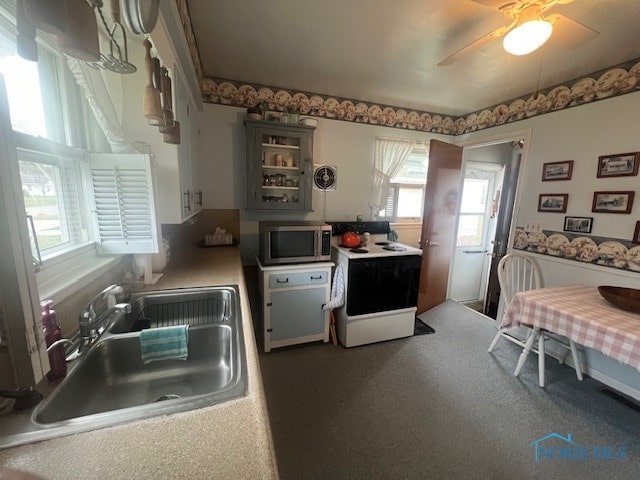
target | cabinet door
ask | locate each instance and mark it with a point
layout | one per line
(187, 149)
(279, 167)
(297, 313)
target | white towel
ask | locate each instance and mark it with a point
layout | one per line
(337, 290)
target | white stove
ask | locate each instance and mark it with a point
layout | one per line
(378, 248)
(381, 287)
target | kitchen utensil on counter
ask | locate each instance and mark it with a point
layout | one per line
(80, 38)
(350, 239)
(151, 100)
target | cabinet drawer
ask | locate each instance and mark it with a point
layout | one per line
(283, 280)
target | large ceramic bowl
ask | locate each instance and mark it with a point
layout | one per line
(621, 297)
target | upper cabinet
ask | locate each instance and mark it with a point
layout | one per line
(190, 193)
(279, 166)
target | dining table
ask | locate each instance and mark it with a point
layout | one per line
(581, 314)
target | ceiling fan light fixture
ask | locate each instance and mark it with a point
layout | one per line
(527, 37)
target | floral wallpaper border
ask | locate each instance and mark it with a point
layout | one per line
(607, 252)
(610, 82)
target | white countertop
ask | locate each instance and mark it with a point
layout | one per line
(231, 440)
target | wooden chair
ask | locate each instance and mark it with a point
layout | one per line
(517, 273)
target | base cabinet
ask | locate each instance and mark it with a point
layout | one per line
(292, 298)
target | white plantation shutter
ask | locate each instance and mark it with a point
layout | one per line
(124, 203)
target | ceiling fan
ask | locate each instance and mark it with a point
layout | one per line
(524, 13)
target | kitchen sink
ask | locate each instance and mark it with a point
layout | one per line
(111, 384)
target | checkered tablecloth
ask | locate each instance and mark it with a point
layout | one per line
(580, 313)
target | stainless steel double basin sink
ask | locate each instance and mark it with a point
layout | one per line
(111, 384)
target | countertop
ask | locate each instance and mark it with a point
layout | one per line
(230, 440)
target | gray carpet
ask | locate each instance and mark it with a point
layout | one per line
(437, 406)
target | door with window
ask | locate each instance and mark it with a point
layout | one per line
(476, 228)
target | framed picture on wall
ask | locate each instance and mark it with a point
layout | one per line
(553, 202)
(619, 165)
(557, 171)
(612, 202)
(636, 233)
(578, 224)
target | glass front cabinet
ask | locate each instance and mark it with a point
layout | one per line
(279, 166)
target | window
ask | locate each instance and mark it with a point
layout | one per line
(49, 118)
(406, 193)
(54, 199)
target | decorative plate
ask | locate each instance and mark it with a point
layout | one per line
(633, 259)
(472, 122)
(427, 122)
(556, 243)
(412, 119)
(502, 114)
(265, 95)
(374, 114)
(559, 97)
(537, 242)
(608, 83)
(249, 95)
(583, 91)
(362, 112)
(437, 123)
(612, 254)
(390, 116)
(517, 109)
(330, 106)
(227, 92)
(401, 118)
(520, 239)
(283, 100)
(301, 103)
(349, 110)
(317, 105)
(586, 249)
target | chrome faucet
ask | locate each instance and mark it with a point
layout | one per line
(92, 325)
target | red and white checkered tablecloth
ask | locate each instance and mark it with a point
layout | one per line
(580, 313)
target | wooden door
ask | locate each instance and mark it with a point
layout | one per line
(438, 222)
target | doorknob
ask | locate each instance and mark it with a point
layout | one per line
(429, 243)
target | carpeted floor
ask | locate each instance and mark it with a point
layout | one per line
(439, 406)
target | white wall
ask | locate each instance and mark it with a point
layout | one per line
(348, 146)
(581, 134)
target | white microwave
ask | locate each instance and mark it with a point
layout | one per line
(299, 241)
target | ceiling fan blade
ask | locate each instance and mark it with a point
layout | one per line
(475, 44)
(493, 3)
(570, 33)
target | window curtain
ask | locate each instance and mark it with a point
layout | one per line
(97, 94)
(389, 156)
